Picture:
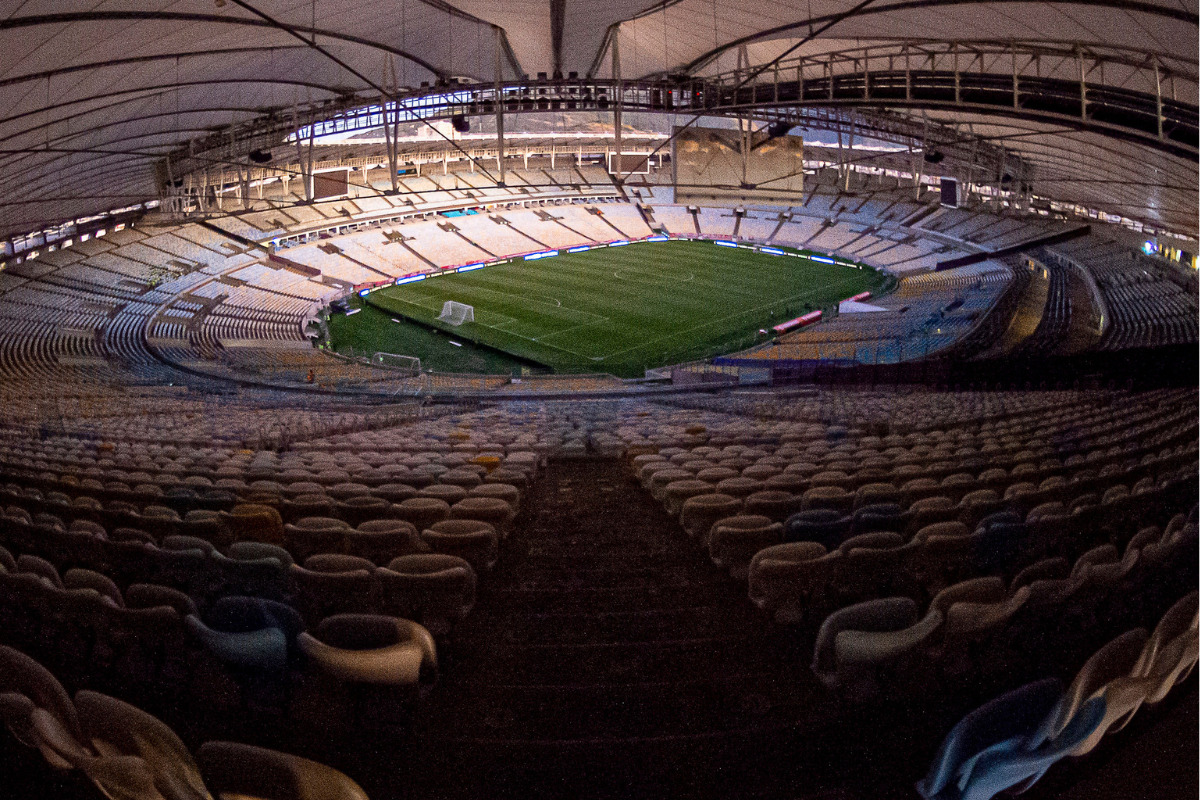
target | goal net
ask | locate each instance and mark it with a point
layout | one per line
(456, 313)
(409, 364)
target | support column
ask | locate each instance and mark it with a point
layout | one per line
(849, 152)
(619, 99)
(391, 127)
(1015, 92)
(499, 101)
(390, 144)
(841, 156)
(999, 184)
(305, 159)
(744, 125)
(1082, 86)
(970, 169)
(1158, 100)
(920, 170)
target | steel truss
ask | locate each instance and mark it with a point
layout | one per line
(1139, 97)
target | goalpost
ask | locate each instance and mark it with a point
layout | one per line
(456, 313)
(409, 364)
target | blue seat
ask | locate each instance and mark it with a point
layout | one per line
(822, 525)
(1013, 715)
(249, 632)
(1005, 744)
(1021, 767)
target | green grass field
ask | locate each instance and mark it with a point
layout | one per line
(619, 309)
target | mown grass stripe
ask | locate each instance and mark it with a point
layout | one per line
(671, 301)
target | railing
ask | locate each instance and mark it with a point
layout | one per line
(1144, 95)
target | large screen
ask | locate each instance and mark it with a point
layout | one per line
(330, 184)
(709, 167)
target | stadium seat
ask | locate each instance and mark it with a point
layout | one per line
(116, 729)
(25, 687)
(248, 632)
(699, 513)
(734, 541)
(889, 614)
(381, 540)
(422, 512)
(1170, 654)
(474, 541)
(823, 525)
(239, 770)
(1001, 725)
(432, 588)
(313, 535)
(492, 510)
(373, 649)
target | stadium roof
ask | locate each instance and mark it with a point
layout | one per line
(94, 95)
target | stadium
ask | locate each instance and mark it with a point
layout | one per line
(679, 399)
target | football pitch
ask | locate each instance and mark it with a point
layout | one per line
(614, 309)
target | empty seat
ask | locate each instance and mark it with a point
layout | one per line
(1170, 654)
(930, 510)
(698, 513)
(881, 648)
(394, 492)
(362, 508)
(381, 540)
(101, 584)
(150, 595)
(451, 493)
(976, 505)
(311, 505)
(1108, 677)
(474, 541)
(734, 541)
(834, 498)
(39, 567)
(740, 487)
(492, 510)
(433, 588)
(25, 687)
(313, 535)
(209, 525)
(257, 551)
(888, 614)
(873, 565)
(248, 632)
(823, 525)
(999, 745)
(872, 493)
(676, 493)
(422, 511)
(973, 624)
(372, 649)
(777, 505)
(115, 728)
(240, 770)
(333, 583)
(256, 522)
(878, 517)
(504, 491)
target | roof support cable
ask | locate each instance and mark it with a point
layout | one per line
(372, 84)
(753, 74)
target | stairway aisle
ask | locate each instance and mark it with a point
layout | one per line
(608, 657)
